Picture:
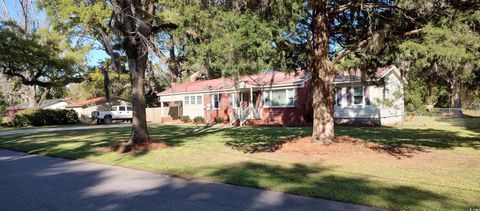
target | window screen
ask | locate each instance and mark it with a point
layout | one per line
(216, 101)
(357, 95)
(199, 100)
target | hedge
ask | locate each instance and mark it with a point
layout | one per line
(219, 120)
(33, 117)
(199, 119)
(185, 118)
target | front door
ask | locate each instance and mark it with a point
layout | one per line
(255, 98)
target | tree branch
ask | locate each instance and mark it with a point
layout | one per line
(353, 48)
(353, 4)
(412, 32)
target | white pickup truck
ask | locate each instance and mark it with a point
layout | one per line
(116, 113)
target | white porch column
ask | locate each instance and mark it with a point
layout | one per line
(251, 97)
(161, 109)
(234, 103)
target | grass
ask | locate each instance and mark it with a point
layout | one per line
(38, 127)
(444, 174)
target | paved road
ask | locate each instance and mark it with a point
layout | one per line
(40, 130)
(33, 182)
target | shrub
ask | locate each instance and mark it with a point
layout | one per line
(199, 119)
(32, 117)
(219, 120)
(6, 121)
(185, 118)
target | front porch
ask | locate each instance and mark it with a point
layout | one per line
(246, 104)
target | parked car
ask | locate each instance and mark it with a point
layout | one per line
(116, 113)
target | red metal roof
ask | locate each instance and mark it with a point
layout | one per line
(262, 79)
(89, 101)
(273, 78)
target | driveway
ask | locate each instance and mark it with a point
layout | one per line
(34, 182)
(53, 129)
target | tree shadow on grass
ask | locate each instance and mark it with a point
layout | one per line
(176, 135)
(319, 182)
(393, 141)
(69, 144)
(403, 137)
(262, 139)
(83, 143)
(468, 122)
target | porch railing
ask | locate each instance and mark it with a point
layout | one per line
(244, 114)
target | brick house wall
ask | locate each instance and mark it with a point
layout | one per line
(301, 114)
(224, 110)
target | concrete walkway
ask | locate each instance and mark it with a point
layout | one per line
(53, 129)
(33, 182)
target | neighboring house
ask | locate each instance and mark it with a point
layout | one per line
(286, 99)
(85, 108)
(46, 104)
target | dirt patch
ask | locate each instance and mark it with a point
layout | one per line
(345, 145)
(124, 147)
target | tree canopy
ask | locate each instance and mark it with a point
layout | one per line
(40, 58)
(445, 57)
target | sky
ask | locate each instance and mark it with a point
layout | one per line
(13, 9)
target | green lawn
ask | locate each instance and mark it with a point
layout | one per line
(442, 170)
(38, 127)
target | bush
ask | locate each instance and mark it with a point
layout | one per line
(32, 117)
(185, 118)
(6, 121)
(219, 120)
(199, 119)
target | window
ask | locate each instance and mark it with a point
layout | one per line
(192, 100)
(122, 108)
(186, 101)
(290, 97)
(199, 100)
(215, 101)
(279, 98)
(358, 95)
(129, 108)
(338, 96)
(266, 98)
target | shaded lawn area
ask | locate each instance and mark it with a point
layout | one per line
(443, 171)
(39, 127)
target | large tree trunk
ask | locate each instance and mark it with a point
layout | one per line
(139, 123)
(456, 100)
(136, 28)
(322, 77)
(30, 95)
(106, 84)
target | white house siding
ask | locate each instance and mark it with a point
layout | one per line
(375, 113)
(196, 109)
(191, 110)
(366, 112)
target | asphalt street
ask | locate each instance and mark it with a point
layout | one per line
(35, 182)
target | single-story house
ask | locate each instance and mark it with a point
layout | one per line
(86, 107)
(286, 99)
(46, 104)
